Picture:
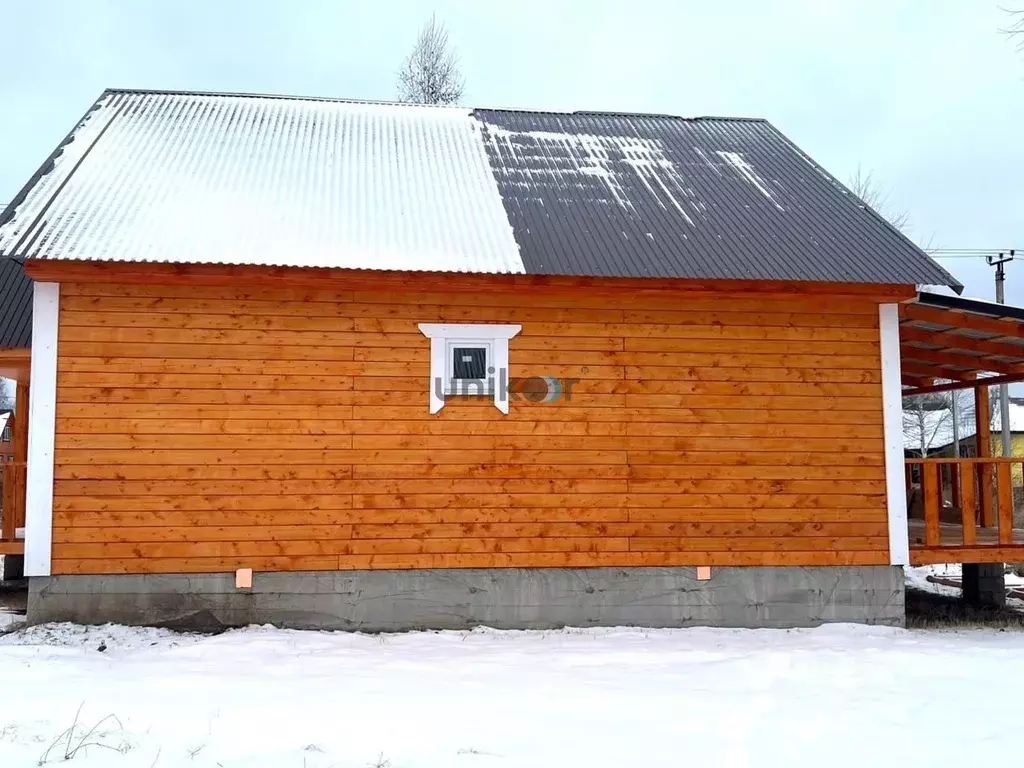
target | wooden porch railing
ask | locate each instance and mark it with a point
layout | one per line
(975, 494)
(12, 511)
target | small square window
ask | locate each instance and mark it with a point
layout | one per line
(469, 362)
(466, 363)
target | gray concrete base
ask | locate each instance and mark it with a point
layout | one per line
(509, 598)
(542, 598)
(984, 585)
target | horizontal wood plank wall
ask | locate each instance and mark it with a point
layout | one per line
(207, 428)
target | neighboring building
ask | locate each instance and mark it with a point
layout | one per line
(6, 446)
(257, 319)
(968, 441)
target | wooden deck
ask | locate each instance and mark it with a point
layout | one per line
(951, 549)
(12, 547)
(968, 507)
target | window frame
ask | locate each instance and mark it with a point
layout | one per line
(451, 383)
(444, 337)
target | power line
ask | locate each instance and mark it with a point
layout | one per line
(969, 250)
(968, 253)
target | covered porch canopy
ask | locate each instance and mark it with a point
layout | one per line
(948, 343)
(963, 509)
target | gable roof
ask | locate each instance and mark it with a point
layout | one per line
(15, 305)
(217, 178)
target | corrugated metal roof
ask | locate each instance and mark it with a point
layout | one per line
(260, 180)
(207, 178)
(649, 195)
(15, 305)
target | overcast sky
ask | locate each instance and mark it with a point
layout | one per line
(929, 95)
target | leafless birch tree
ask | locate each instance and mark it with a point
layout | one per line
(865, 186)
(430, 74)
(1015, 29)
(927, 422)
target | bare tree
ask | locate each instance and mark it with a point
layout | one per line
(865, 186)
(430, 74)
(6, 395)
(927, 422)
(928, 419)
(1015, 29)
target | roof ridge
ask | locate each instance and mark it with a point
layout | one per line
(278, 96)
(386, 102)
(692, 118)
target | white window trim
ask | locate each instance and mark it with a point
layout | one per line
(495, 335)
(892, 429)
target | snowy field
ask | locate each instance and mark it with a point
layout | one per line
(840, 695)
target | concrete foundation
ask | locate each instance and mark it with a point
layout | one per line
(984, 585)
(542, 598)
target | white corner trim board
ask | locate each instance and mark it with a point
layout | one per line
(494, 338)
(892, 420)
(41, 426)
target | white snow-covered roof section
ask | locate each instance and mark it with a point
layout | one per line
(215, 179)
(3, 420)
(1016, 418)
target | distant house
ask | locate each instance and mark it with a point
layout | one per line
(943, 446)
(6, 446)
(369, 366)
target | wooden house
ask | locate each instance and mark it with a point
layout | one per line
(376, 366)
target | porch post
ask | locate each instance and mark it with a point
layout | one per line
(20, 438)
(42, 426)
(892, 420)
(983, 439)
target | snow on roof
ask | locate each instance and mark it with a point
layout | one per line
(1016, 417)
(3, 419)
(256, 180)
(266, 180)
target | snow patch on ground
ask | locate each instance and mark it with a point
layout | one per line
(917, 578)
(850, 695)
(114, 636)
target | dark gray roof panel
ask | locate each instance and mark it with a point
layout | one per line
(658, 196)
(15, 305)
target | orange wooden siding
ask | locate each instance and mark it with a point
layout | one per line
(207, 428)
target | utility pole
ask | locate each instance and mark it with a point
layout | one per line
(1004, 393)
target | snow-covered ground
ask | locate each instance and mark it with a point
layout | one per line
(839, 695)
(918, 578)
